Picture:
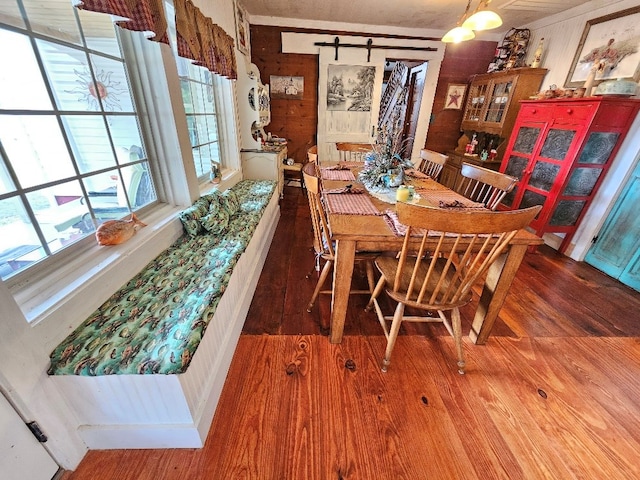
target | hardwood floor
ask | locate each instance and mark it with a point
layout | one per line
(554, 394)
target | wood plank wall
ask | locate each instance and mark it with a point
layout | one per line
(461, 61)
(296, 120)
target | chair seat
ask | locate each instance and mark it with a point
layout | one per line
(451, 281)
(295, 169)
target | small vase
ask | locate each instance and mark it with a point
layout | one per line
(396, 177)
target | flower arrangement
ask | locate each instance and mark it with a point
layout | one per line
(384, 165)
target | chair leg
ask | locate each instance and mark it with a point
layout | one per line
(370, 278)
(323, 276)
(456, 324)
(376, 292)
(393, 335)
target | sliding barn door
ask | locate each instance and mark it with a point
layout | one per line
(348, 98)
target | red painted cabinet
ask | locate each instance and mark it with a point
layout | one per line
(561, 150)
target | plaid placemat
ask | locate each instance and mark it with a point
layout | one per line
(350, 204)
(328, 174)
(412, 172)
(447, 199)
(399, 229)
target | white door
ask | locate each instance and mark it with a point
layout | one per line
(346, 113)
(22, 457)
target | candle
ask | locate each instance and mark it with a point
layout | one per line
(402, 194)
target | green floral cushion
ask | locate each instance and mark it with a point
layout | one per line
(155, 322)
(229, 201)
(216, 221)
(192, 216)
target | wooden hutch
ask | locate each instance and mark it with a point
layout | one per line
(490, 111)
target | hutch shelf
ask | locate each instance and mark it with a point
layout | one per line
(561, 150)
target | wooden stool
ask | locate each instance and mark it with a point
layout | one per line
(295, 172)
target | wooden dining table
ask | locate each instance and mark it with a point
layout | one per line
(369, 231)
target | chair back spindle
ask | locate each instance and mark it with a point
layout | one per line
(352, 152)
(431, 163)
(483, 185)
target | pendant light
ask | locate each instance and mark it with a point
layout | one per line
(459, 33)
(482, 19)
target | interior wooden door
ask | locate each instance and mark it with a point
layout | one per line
(349, 91)
(616, 250)
(21, 455)
(417, 77)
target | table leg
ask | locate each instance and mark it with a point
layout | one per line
(342, 273)
(496, 287)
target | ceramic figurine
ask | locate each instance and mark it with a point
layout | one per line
(114, 232)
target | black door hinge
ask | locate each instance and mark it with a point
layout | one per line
(37, 432)
(594, 239)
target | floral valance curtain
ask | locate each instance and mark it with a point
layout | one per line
(204, 42)
(141, 15)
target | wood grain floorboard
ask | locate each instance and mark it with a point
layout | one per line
(554, 394)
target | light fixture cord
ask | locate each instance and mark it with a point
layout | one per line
(464, 15)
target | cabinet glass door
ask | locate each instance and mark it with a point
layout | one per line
(498, 101)
(475, 104)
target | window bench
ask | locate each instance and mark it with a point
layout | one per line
(147, 368)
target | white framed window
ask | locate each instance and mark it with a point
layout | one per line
(198, 97)
(65, 286)
(71, 151)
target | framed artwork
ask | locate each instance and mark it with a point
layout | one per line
(611, 44)
(242, 30)
(288, 87)
(455, 96)
(350, 87)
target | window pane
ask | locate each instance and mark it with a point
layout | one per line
(61, 213)
(35, 148)
(54, 18)
(99, 32)
(47, 151)
(10, 13)
(6, 183)
(201, 160)
(72, 83)
(186, 96)
(88, 138)
(19, 243)
(20, 73)
(112, 84)
(125, 132)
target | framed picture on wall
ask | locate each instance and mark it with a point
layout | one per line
(242, 30)
(455, 96)
(286, 87)
(611, 44)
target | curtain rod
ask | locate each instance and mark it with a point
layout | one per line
(369, 45)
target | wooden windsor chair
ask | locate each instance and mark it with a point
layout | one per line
(352, 152)
(483, 185)
(431, 163)
(322, 243)
(469, 242)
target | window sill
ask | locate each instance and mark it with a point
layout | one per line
(70, 289)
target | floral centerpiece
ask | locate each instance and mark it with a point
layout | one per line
(384, 165)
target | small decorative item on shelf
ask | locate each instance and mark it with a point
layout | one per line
(215, 175)
(537, 56)
(384, 166)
